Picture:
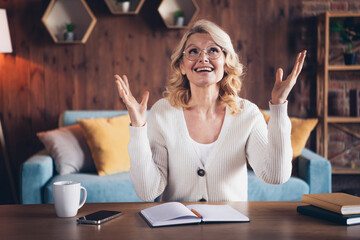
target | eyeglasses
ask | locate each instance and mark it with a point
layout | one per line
(193, 53)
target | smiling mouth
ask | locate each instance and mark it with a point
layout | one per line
(204, 69)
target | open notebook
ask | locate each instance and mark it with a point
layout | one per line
(175, 213)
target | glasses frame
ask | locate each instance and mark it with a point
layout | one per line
(201, 50)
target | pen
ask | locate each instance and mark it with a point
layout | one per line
(197, 214)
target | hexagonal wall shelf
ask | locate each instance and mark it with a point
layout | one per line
(61, 12)
(168, 8)
(115, 6)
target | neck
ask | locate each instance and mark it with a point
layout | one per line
(205, 100)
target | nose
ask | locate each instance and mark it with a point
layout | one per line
(204, 57)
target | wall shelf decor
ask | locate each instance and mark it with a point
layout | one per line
(169, 8)
(325, 67)
(115, 7)
(59, 13)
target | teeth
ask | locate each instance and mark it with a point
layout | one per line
(203, 69)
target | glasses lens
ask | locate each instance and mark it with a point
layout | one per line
(213, 52)
(192, 53)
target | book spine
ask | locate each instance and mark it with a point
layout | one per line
(322, 215)
(354, 103)
(322, 204)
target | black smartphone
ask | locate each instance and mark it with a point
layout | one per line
(99, 217)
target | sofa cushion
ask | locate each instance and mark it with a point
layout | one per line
(300, 131)
(108, 139)
(71, 117)
(292, 190)
(111, 188)
(68, 147)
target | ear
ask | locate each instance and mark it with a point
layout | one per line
(182, 68)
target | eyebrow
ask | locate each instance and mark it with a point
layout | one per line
(193, 45)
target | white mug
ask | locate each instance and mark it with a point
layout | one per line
(67, 198)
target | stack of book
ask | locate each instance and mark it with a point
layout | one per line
(341, 208)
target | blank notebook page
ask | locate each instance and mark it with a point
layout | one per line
(221, 213)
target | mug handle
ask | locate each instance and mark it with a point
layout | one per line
(84, 196)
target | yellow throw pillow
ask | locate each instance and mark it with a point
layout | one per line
(108, 139)
(300, 132)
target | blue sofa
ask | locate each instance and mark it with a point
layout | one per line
(38, 174)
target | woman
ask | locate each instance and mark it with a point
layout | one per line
(195, 142)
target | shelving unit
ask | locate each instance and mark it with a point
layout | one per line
(344, 68)
(167, 9)
(60, 12)
(114, 7)
(324, 68)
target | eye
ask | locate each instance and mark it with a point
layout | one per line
(193, 51)
(213, 50)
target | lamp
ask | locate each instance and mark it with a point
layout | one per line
(5, 42)
(5, 47)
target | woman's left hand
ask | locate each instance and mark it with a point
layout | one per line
(282, 88)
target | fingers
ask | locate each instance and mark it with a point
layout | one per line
(125, 94)
(118, 85)
(122, 92)
(295, 70)
(122, 84)
(126, 81)
(125, 98)
(145, 98)
(301, 61)
(300, 58)
(279, 75)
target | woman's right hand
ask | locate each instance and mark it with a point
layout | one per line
(137, 111)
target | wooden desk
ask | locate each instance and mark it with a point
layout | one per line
(269, 220)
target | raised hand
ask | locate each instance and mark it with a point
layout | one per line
(281, 88)
(137, 111)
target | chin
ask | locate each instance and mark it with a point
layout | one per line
(205, 83)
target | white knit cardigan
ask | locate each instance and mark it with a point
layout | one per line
(164, 162)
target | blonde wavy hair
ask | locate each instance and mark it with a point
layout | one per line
(178, 88)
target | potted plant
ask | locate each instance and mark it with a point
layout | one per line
(179, 18)
(124, 5)
(69, 34)
(349, 31)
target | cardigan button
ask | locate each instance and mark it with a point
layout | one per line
(202, 200)
(201, 172)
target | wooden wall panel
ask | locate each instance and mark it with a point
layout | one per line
(41, 79)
